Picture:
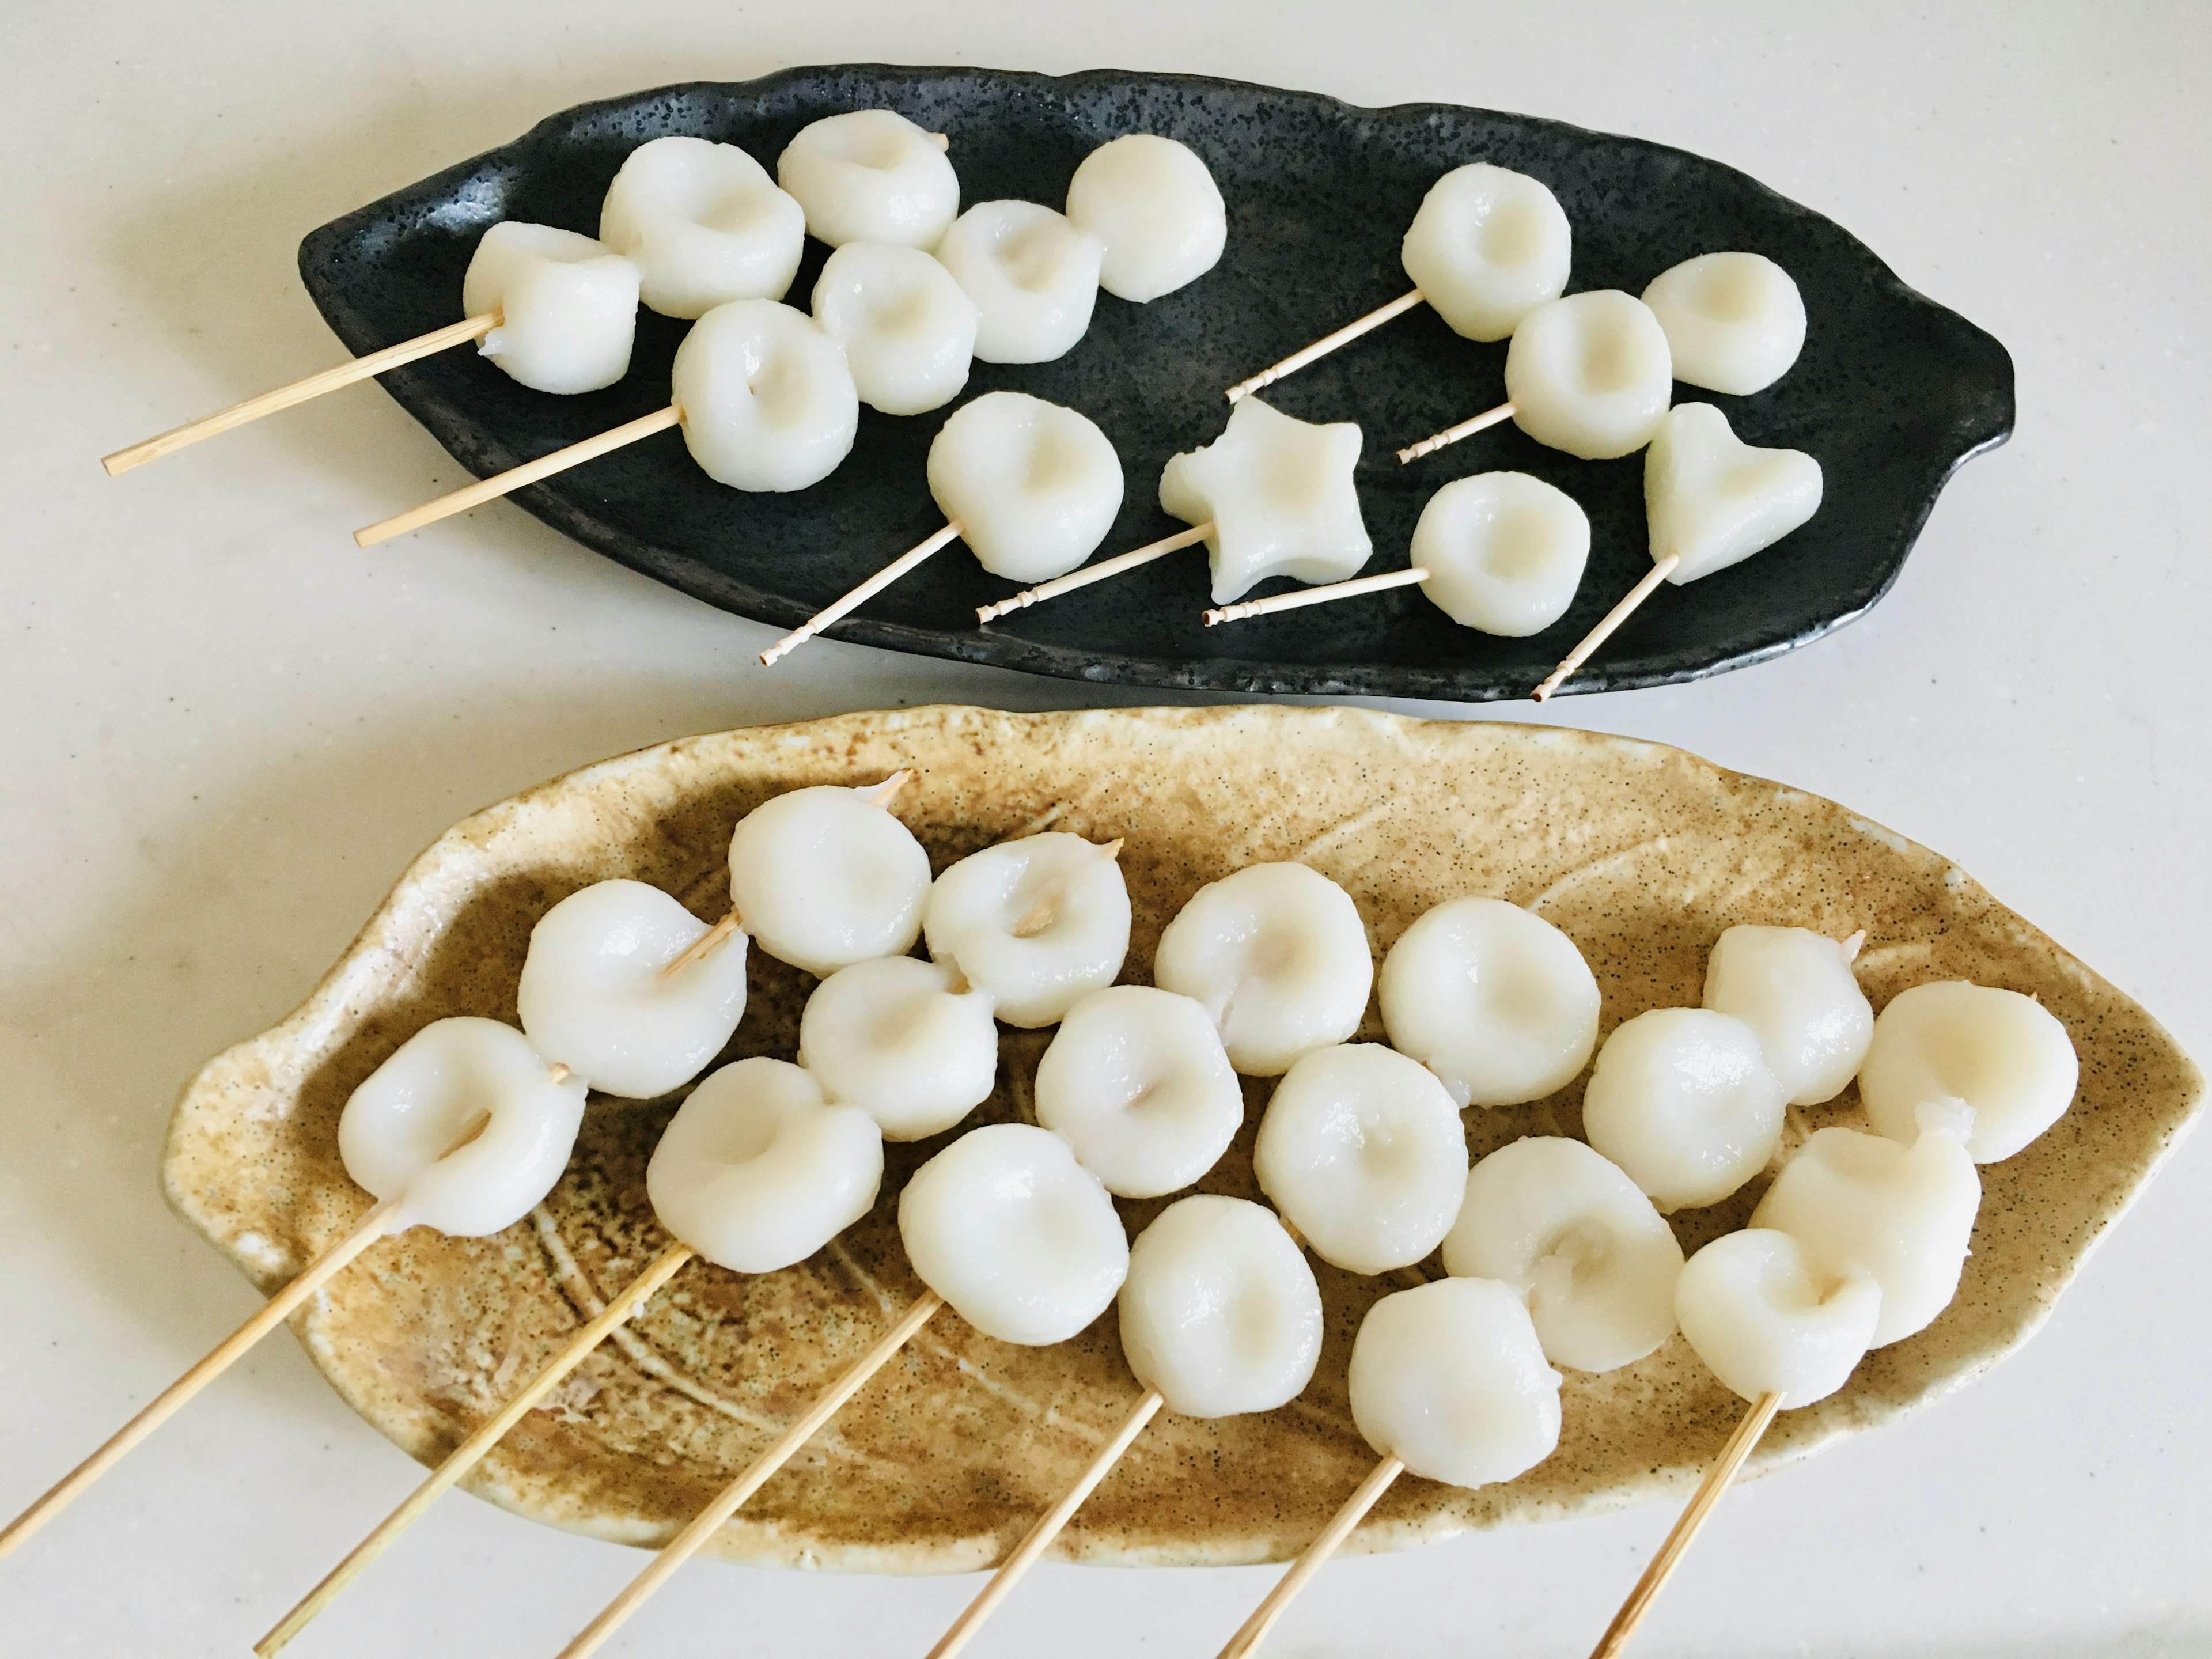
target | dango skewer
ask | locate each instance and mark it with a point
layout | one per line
(1032, 487)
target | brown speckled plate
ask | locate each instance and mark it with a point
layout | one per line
(1642, 854)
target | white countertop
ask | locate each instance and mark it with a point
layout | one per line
(226, 731)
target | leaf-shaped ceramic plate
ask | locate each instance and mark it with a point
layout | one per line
(1642, 854)
(1891, 393)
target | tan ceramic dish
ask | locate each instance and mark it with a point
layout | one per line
(1642, 854)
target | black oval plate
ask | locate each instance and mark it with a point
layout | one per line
(1892, 392)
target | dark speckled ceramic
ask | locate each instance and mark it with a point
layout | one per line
(1891, 393)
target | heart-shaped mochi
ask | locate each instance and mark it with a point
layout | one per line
(1278, 495)
(1033, 486)
(758, 1171)
(1714, 499)
(399, 1130)
(594, 995)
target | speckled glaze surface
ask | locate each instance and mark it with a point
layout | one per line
(1643, 854)
(1892, 392)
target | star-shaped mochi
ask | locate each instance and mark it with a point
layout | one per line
(1278, 495)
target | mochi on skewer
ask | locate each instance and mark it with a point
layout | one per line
(1032, 488)
(907, 328)
(1155, 210)
(1272, 497)
(1041, 922)
(705, 225)
(871, 175)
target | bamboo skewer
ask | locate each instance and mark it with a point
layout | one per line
(364, 1232)
(702, 1526)
(1048, 1527)
(1612, 619)
(1327, 344)
(705, 945)
(1254, 1631)
(1452, 434)
(837, 609)
(1096, 573)
(300, 392)
(466, 1457)
(1694, 1516)
(505, 484)
(1306, 596)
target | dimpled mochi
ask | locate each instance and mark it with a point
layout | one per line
(1735, 322)
(1504, 552)
(871, 175)
(1487, 247)
(768, 403)
(1156, 209)
(1682, 1099)
(903, 1039)
(824, 878)
(1574, 1238)
(1278, 495)
(1716, 501)
(1765, 1321)
(1795, 990)
(1220, 1312)
(908, 329)
(1033, 275)
(398, 1132)
(1033, 486)
(1902, 1215)
(1451, 1379)
(1364, 1153)
(705, 223)
(1495, 1000)
(757, 1172)
(1590, 374)
(594, 995)
(1039, 923)
(1137, 1082)
(567, 307)
(2005, 1055)
(1277, 955)
(1016, 1235)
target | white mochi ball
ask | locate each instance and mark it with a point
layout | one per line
(1039, 923)
(567, 307)
(1488, 246)
(767, 401)
(1575, 1239)
(903, 1039)
(1491, 997)
(705, 223)
(1016, 1235)
(1033, 275)
(824, 878)
(1363, 1152)
(757, 1172)
(1451, 1379)
(595, 996)
(1713, 500)
(1156, 209)
(1795, 987)
(1137, 1082)
(1504, 552)
(1277, 955)
(1735, 322)
(1590, 374)
(1220, 1312)
(908, 329)
(1277, 497)
(871, 175)
(1033, 486)
(398, 1132)
(1765, 1320)
(2005, 1055)
(1682, 1098)
(1902, 1215)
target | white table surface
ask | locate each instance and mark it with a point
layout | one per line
(225, 732)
